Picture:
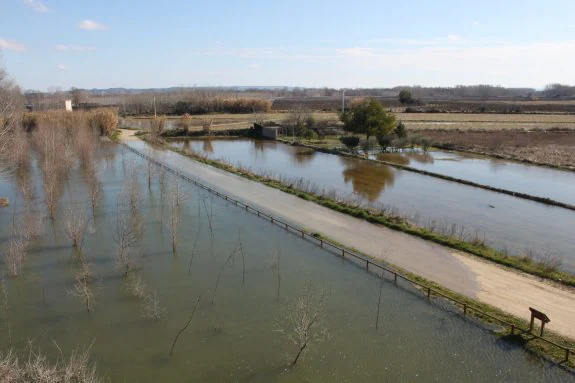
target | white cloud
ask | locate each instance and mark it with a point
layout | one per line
(74, 48)
(454, 38)
(12, 45)
(92, 26)
(62, 66)
(476, 24)
(356, 52)
(37, 5)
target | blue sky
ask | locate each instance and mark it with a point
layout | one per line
(361, 43)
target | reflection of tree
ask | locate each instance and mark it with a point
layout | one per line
(258, 149)
(302, 156)
(368, 179)
(422, 158)
(207, 146)
(406, 158)
(395, 158)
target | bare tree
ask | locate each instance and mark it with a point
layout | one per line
(151, 308)
(194, 247)
(174, 211)
(128, 231)
(95, 188)
(305, 321)
(232, 254)
(82, 288)
(136, 286)
(10, 109)
(76, 222)
(241, 251)
(16, 252)
(187, 324)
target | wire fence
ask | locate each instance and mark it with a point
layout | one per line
(368, 263)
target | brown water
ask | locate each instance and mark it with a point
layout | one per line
(508, 223)
(236, 338)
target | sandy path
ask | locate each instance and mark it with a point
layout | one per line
(508, 290)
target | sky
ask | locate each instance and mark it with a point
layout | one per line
(313, 43)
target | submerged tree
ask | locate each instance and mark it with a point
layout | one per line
(305, 322)
(76, 222)
(82, 288)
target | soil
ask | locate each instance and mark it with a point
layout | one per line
(553, 148)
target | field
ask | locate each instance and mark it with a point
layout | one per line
(549, 148)
(414, 121)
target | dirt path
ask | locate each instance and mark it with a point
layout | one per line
(505, 289)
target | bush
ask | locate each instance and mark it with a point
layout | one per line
(400, 130)
(384, 141)
(157, 125)
(309, 135)
(350, 142)
(104, 120)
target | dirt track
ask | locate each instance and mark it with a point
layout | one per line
(505, 289)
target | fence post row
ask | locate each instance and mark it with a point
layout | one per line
(343, 251)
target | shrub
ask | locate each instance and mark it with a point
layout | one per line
(384, 141)
(400, 130)
(350, 142)
(104, 120)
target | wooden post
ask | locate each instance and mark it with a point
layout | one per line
(542, 328)
(512, 329)
(531, 324)
(321, 242)
(465, 309)
(343, 252)
(567, 352)
(367, 264)
(395, 277)
(428, 292)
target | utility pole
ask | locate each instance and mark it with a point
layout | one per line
(343, 101)
(155, 115)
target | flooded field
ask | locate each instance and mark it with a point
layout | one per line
(506, 222)
(539, 181)
(240, 329)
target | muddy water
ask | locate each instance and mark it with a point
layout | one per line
(543, 182)
(506, 222)
(236, 338)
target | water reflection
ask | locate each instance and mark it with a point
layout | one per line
(368, 181)
(207, 146)
(302, 156)
(406, 159)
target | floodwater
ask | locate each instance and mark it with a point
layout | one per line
(539, 181)
(507, 223)
(242, 335)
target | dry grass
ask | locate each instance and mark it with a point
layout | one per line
(549, 148)
(468, 121)
(34, 367)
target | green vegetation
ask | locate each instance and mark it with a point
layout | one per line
(405, 97)
(369, 118)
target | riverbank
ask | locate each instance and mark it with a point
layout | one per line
(513, 293)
